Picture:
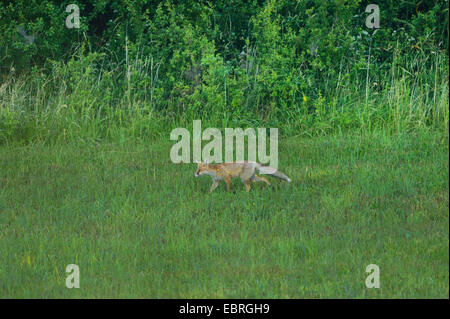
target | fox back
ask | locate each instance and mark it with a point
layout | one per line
(244, 170)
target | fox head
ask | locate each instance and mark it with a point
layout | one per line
(201, 168)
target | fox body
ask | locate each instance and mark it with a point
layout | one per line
(245, 170)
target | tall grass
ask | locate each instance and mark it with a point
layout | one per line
(93, 97)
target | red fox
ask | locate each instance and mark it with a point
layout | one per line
(245, 170)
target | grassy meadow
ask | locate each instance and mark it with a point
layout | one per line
(140, 226)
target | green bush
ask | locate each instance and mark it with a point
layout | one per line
(138, 68)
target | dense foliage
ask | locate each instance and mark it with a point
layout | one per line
(140, 68)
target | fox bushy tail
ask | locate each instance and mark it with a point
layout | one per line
(273, 172)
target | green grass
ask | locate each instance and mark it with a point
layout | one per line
(140, 226)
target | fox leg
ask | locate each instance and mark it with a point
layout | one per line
(247, 185)
(228, 181)
(214, 185)
(257, 178)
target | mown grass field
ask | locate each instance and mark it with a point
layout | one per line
(140, 226)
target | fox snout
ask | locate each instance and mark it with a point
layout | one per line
(199, 171)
